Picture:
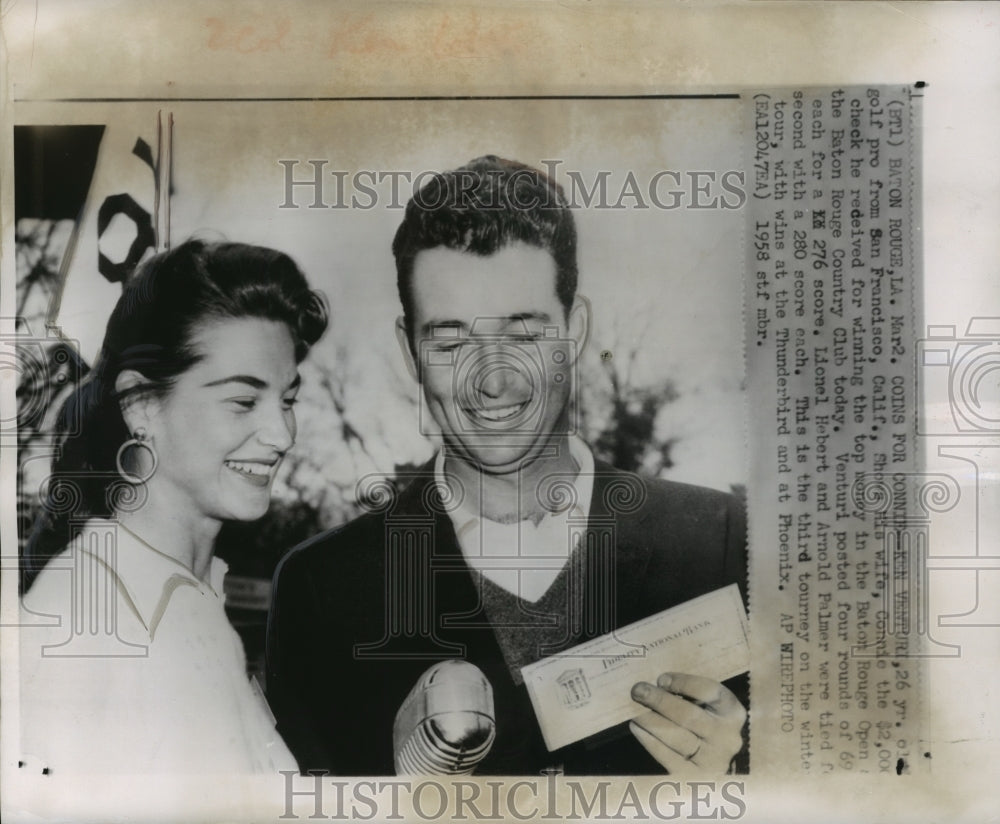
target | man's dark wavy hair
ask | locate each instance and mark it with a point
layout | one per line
(482, 207)
(151, 331)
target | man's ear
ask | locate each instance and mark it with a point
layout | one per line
(409, 358)
(137, 409)
(578, 322)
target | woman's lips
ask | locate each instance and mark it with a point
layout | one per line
(257, 473)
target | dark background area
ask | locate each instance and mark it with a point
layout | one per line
(53, 169)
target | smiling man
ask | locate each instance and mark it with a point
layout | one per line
(514, 543)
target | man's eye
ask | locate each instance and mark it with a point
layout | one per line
(244, 403)
(288, 403)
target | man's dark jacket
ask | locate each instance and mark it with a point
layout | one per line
(360, 612)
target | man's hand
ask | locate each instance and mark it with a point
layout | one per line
(695, 724)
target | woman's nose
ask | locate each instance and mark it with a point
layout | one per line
(278, 431)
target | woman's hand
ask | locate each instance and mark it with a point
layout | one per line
(694, 724)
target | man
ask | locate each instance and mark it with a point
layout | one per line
(513, 543)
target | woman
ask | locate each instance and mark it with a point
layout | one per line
(128, 663)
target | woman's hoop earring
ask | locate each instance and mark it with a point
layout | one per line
(139, 439)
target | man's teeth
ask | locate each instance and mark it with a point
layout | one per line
(249, 468)
(499, 413)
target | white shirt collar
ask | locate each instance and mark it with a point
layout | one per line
(524, 557)
(574, 499)
(146, 577)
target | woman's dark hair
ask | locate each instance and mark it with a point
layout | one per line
(150, 331)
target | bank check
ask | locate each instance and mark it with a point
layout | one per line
(586, 689)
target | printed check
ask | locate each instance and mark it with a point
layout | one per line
(587, 688)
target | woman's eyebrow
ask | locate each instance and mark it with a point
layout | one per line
(254, 383)
(250, 380)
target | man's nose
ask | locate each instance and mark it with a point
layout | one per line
(495, 378)
(499, 370)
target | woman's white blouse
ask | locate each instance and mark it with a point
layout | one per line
(129, 665)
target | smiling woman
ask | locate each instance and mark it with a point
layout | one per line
(181, 426)
(224, 426)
